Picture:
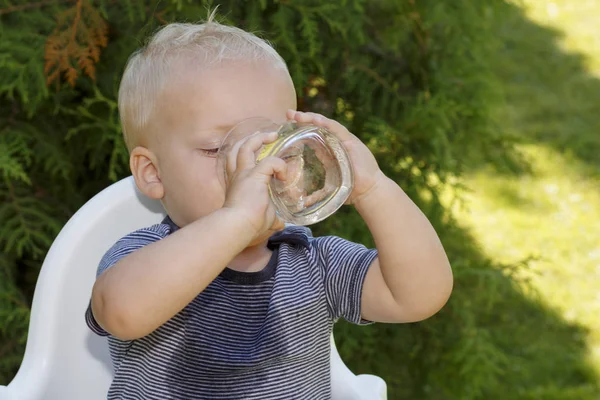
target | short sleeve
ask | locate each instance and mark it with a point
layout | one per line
(345, 265)
(126, 245)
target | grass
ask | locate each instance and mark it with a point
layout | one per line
(550, 72)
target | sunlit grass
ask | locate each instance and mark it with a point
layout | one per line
(578, 18)
(552, 214)
(553, 217)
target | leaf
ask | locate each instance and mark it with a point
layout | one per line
(75, 44)
(29, 224)
(15, 156)
(310, 32)
(99, 119)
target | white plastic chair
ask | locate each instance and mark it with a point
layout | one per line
(63, 359)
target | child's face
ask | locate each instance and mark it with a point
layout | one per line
(195, 113)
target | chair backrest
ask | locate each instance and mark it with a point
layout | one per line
(63, 358)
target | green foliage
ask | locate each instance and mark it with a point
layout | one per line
(411, 79)
(14, 314)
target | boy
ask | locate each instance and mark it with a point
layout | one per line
(221, 301)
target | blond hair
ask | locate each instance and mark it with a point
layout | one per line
(209, 43)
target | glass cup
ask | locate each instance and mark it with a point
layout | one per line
(319, 176)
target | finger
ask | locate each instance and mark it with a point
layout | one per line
(302, 117)
(290, 114)
(330, 124)
(233, 153)
(246, 157)
(231, 156)
(271, 166)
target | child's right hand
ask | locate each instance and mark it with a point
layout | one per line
(247, 188)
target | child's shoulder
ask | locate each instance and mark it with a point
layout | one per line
(146, 235)
(143, 236)
(131, 242)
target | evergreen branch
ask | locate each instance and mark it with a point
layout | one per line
(160, 17)
(422, 36)
(18, 302)
(373, 74)
(79, 40)
(27, 6)
(29, 224)
(14, 314)
(99, 117)
(7, 347)
(21, 72)
(76, 20)
(16, 206)
(15, 156)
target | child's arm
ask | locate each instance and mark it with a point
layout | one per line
(411, 279)
(149, 286)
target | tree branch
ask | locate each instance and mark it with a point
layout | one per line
(8, 346)
(373, 74)
(23, 7)
(76, 21)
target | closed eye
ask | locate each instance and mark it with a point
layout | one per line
(210, 152)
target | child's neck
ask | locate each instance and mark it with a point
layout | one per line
(252, 259)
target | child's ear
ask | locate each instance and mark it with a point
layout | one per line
(145, 172)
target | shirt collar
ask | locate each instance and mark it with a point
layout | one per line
(298, 236)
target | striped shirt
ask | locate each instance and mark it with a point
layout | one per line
(248, 335)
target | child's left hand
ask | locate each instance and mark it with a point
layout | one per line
(366, 171)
